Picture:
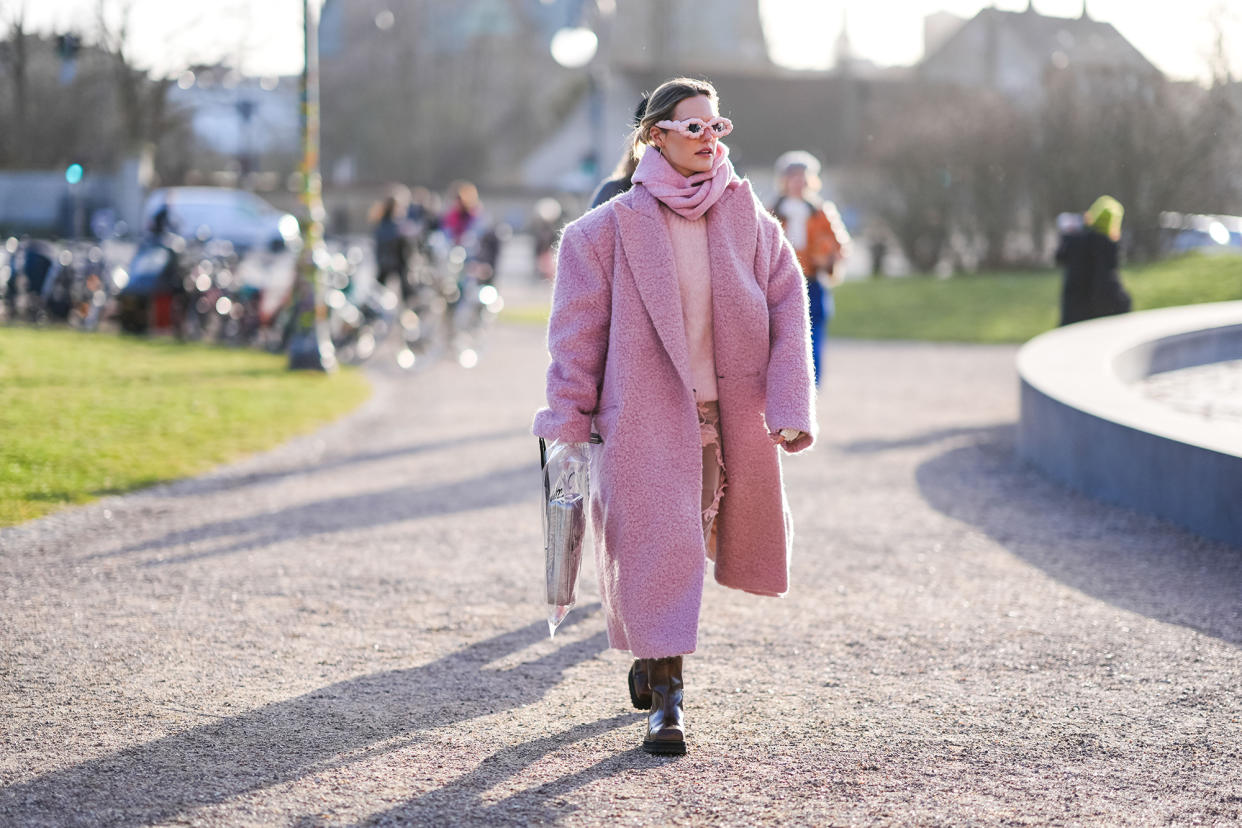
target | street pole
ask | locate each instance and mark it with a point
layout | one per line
(310, 347)
(595, 90)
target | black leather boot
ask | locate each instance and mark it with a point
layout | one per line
(640, 684)
(666, 729)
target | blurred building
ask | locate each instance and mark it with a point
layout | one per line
(422, 91)
(1020, 53)
(650, 41)
(243, 127)
(425, 91)
(662, 35)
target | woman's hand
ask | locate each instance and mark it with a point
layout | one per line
(791, 439)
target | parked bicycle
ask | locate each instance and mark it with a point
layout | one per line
(46, 283)
(360, 314)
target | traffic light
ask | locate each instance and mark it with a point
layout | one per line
(67, 46)
(73, 173)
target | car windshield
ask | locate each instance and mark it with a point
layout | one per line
(190, 215)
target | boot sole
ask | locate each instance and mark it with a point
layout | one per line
(634, 698)
(664, 748)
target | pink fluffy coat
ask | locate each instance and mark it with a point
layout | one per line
(620, 367)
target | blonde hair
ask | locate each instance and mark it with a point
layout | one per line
(465, 194)
(660, 106)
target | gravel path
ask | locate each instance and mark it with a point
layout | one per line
(348, 631)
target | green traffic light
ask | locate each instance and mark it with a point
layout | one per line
(73, 173)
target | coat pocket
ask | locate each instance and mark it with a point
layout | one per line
(603, 422)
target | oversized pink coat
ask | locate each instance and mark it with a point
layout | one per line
(620, 367)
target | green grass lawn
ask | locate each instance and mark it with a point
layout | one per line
(1013, 307)
(995, 307)
(85, 415)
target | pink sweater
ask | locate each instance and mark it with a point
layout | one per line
(694, 282)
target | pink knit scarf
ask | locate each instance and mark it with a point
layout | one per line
(689, 197)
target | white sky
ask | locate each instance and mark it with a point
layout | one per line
(266, 34)
(1176, 36)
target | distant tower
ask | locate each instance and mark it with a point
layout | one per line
(844, 52)
(1085, 16)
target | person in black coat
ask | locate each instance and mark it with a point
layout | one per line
(1090, 256)
(620, 181)
(392, 245)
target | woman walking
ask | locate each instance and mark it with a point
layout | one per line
(679, 334)
(814, 228)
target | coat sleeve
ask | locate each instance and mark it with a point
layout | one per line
(577, 341)
(790, 390)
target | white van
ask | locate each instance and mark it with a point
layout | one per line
(223, 214)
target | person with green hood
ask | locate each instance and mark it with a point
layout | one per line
(1090, 256)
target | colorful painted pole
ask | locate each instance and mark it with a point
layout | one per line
(310, 346)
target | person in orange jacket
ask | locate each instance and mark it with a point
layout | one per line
(819, 238)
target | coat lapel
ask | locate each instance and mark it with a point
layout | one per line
(732, 233)
(649, 252)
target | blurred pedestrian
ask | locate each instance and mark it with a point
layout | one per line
(416, 209)
(423, 212)
(679, 336)
(169, 297)
(545, 226)
(1090, 255)
(484, 258)
(464, 216)
(621, 179)
(392, 242)
(161, 222)
(814, 228)
(465, 223)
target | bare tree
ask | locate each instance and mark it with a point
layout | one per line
(143, 100)
(1156, 147)
(921, 184)
(993, 197)
(960, 172)
(14, 56)
(425, 97)
(1220, 57)
(96, 116)
(75, 118)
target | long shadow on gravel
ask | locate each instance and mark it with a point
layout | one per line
(223, 482)
(282, 742)
(342, 514)
(1133, 561)
(463, 797)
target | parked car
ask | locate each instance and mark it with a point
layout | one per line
(1187, 231)
(222, 214)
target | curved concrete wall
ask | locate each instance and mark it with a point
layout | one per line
(1084, 424)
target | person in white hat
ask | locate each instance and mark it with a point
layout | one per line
(814, 228)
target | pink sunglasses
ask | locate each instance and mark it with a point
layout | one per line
(697, 127)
